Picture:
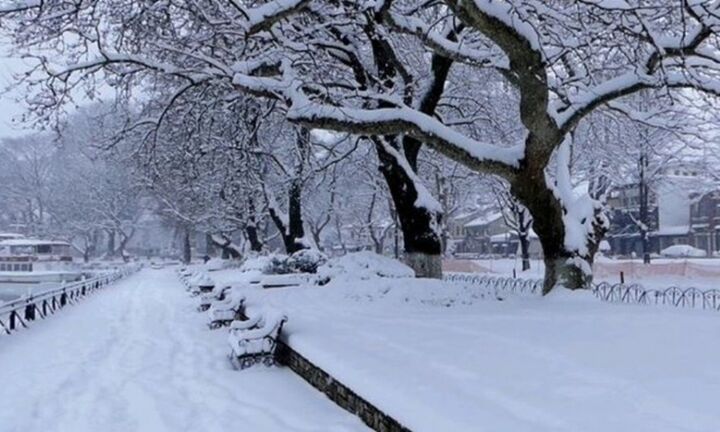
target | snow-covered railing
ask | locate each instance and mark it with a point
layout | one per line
(19, 313)
(497, 283)
(692, 298)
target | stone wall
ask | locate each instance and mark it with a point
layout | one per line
(339, 393)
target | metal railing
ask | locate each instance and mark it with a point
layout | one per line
(21, 312)
(692, 298)
(497, 283)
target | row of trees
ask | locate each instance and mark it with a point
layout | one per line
(69, 188)
(505, 88)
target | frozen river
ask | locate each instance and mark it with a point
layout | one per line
(12, 291)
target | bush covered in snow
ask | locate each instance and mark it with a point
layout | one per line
(215, 264)
(682, 251)
(362, 266)
(261, 263)
(304, 261)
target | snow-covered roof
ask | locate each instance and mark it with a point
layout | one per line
(32, 242)
(672, 230)
(9, 235)
(484, 220)
(506, 236)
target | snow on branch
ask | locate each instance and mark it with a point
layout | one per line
(677, 61)
(580, 211)
(444, 45)
(504, 19)
(402, 119)
(262, 18)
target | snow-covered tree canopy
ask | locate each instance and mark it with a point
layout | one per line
(425, 70)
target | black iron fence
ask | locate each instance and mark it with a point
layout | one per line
(20, 313)
(693, 298)
(672, 296)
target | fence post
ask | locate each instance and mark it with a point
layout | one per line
(30, 312)
(622, 277)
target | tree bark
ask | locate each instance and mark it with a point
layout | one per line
(251, 233)
(525, 252)
(294, 231)
(209, 245)
(111, 243)
(644, 213)
(226, 246)
(562, 266)
(251, 229)
(422, 244)
(187, 252)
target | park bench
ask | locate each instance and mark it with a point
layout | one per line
(223, 312)
(285, 280)
(207, 299)
(254, 341)
(201, 284)
(187, 277)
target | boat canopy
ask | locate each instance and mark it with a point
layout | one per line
(22, 246)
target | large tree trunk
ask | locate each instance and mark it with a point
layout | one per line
(523, 238)
(251, 233)
(422, 243)
(111, 243)
(225, 244)
(563, 267)
(292, 230)
(95, 242)
(251, 229)
(187, 252)
(124, 240)
(209, 245)
(295, 229)
(644, 210)
(525, 251)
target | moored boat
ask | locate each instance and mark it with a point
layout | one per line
(25, 260)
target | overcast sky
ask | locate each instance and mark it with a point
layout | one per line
(10, 107)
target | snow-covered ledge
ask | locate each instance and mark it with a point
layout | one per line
(336, 391)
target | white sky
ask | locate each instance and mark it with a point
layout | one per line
(11, 104)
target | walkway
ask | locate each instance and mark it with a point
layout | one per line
(137, 357)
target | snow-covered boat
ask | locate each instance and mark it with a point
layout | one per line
(24, 260)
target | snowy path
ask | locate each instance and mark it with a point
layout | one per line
(136, 357)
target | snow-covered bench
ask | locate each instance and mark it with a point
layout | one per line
(255, 340)
(188, 277)
(224, 312)
(200, 284)
(207, 299)
(285, 280)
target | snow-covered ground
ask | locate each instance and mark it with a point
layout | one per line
(442, 357)
(137, 357)
(436, 356)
